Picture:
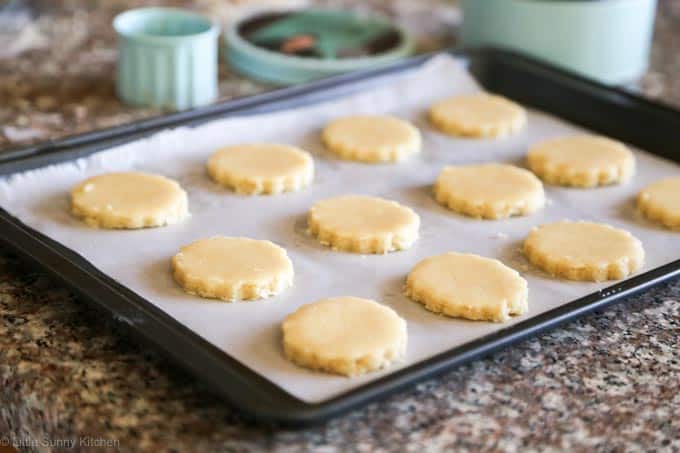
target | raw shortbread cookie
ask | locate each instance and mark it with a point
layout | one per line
(478, 115)
(232, 268)
(584, 251)
(468, 286)
(129, 200)
(489, 191)
(583, 161)
(372, 138)
(261, 168)
(344, 335)
(660, 202)
(362, 224)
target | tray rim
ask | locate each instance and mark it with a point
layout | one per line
(250, 392)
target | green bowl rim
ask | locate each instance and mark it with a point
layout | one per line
(232, 38)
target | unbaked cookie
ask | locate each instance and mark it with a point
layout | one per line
(468, 286)
(129, 200)
(368, 138)
(478, 115)
(261, 168)
(357, 223)
(584, 251)
(660, 202)
(582, 161)
(233, 268)
(489, 191)
(344, 335)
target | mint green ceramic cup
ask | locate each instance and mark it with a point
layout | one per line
(167, 58)
(607, 40)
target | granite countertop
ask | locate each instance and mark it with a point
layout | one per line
(607, 382)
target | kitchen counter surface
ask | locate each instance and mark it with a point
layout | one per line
(607, 382)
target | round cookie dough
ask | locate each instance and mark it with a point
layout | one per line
(233, 268)
(584, 251)
(367, 138)
(468, 286)
(582, 161)
(129, 200)
(478, 115)
(489, 191)
(357, 223)
(344, 335)
(261, 168)
(660, 202)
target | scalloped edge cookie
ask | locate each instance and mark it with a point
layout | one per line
(462, 189)
(267, 169)
(344, 335)
(332, 233)
(425, 282)
(565, 265)
(173, 208)
(656, 202)
(278, 277)
(479, 115)
(615, 168)
(372, 138)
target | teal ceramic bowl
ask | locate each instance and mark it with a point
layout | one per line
(167, 58)
(274, 67)
(607, 40)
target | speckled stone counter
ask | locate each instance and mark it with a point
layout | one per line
(608, 382)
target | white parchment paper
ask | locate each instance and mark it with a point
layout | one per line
(249, 331)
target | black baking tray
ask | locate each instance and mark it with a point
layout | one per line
(601, 108)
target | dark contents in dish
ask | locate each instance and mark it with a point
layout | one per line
(308, 43)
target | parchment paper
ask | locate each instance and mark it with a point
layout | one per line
(249, 331)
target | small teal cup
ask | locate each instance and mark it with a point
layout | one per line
(167, 58)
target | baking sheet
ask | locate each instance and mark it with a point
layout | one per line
(249, 331)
